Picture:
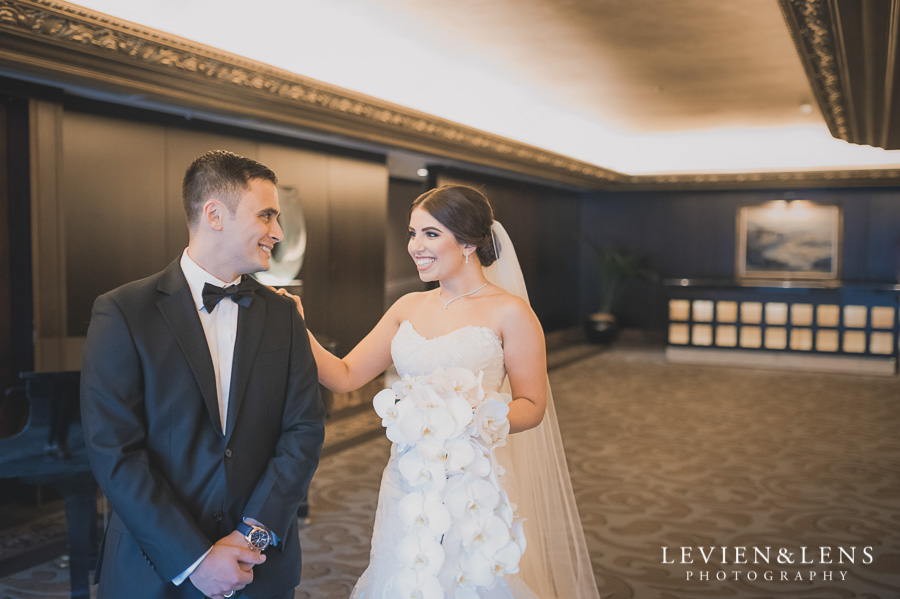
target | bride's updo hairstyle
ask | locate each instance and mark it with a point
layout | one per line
(466, 213)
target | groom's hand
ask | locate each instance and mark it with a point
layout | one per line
(227, 567)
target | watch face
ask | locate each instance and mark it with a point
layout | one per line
(258, 538)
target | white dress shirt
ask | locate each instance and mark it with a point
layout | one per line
(220, 328)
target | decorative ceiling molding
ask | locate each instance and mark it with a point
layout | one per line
(71, 46)
(850, 51)
(786, 180)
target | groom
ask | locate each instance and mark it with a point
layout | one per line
(201, 407)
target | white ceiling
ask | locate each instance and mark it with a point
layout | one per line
(637, 86)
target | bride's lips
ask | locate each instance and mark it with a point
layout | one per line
(424, 263)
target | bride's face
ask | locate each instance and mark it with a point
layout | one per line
(433, 247)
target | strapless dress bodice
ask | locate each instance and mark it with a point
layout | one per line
(475, 348)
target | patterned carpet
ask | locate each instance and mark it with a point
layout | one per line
(678, 456)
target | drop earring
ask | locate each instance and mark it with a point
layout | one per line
(467, 258)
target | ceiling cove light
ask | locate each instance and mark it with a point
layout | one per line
(377, 49)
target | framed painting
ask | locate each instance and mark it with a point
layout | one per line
(785, 241)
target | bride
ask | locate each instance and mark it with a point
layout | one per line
(477, 328)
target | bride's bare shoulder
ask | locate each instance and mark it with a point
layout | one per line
(409, 302)
(510, 307)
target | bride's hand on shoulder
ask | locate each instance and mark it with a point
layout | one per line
(289, 295)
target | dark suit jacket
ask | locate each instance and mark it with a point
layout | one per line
(176, 483)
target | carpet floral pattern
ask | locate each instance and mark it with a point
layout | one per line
(796, 474)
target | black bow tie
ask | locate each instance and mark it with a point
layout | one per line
(241, 294)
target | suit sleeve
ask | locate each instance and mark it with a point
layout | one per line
(285, 483)
(115, 427)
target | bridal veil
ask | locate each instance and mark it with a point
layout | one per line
(556, 564)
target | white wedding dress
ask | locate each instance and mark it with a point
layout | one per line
(472, 347)
(555, 563)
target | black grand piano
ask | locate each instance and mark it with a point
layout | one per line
(50, 450)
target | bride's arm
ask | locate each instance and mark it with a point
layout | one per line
(526, 365)
(368, 359)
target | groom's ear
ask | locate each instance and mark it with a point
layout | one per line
(213, 215)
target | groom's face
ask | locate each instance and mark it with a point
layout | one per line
(252, 232)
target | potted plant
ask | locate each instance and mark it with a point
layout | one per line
(616, 268)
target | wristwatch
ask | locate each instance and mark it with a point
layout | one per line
(257, 537)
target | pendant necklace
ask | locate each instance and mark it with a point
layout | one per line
(459, 296)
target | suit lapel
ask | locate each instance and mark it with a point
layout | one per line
(251, 324)
(181, 315)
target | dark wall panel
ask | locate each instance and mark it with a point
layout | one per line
(305, 173)
(401, 276)
(357, 194)
(692, 235)
(121, 192)
(17, 187)
(113, 197)
(6, 371)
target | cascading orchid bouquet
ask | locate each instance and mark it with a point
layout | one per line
(461, 533)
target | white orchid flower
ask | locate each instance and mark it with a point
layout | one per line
(462, 414)
(456, 583)
(504, 509)
(454, 454)
(506, 560)
(458, 454)
(478, 570)
(485, 569)
(427, 423)
(384, 401)
(484, 533)
(418, 472)
(468, 496)
(452, 544)
(440, 381)
(406, 386)
(493, 424)
(480, 465)
(476, 394)
(425, 511)
(458, 381)
(465, 592)
(429, 397)
(410, 584)
(391, 409)
(421, 552)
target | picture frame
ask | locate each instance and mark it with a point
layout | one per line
(788, 241)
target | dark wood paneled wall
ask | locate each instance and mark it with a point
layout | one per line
(16, 311)
(357, 201)
(692, 235)
(6, 372)
(401, 275)
(121, 193)
(543, 223)
(120, 179)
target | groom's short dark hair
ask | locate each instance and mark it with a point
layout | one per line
(219, 174)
